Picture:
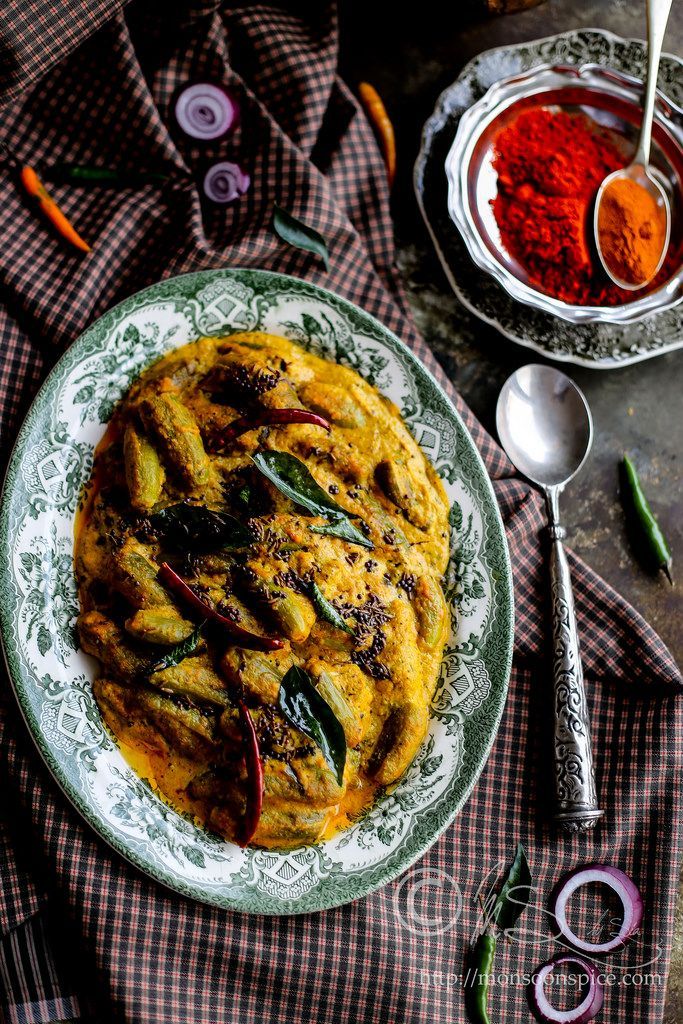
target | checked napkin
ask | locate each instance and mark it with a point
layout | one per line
(86, 936)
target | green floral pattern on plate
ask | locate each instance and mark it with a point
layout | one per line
(52, 677)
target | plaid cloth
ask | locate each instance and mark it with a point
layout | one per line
(140, 952)
(34, 988)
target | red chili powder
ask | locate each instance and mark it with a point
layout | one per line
(550, 166)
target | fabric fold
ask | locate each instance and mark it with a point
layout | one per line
(33, 989)
(36, 34)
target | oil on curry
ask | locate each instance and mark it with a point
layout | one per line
(259, 560)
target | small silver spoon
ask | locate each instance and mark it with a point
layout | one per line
(639, 170)
(545, 426)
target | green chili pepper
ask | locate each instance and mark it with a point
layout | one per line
(502, 917)
(483, 956)
(654, 543)
(82, 174)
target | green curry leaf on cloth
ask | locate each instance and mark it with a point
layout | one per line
(302, 236)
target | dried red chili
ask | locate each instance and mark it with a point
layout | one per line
(35, 190)
(550, 166)
(242, 637)
(273, 417)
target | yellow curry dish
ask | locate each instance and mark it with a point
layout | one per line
(259, 557)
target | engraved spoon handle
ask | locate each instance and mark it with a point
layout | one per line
(576, 798)
(657, 17)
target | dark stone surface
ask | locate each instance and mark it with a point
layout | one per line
(410, 56)
(636, 409)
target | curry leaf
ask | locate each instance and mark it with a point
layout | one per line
(326, 609)
(309, 712)
(244, 495)
(293, 479)
(182, 650)
(301, 236)
(194, 527)
(345, 529)
(514, 897)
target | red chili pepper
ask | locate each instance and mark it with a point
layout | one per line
(376, 111)
(34, 187)
(271, 417)
(252, 757)
(243, 637)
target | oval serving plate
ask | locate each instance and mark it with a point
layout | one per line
(52, 677)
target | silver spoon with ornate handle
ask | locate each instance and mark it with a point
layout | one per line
(638, 170)
(545, 426)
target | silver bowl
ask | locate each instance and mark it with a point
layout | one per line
(612, 99)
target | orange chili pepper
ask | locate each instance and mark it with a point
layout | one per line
(378, 117)
(36, 190)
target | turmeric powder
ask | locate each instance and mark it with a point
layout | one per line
(631, 231)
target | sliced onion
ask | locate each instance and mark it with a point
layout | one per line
(225, 182)
(621, 884)
(206, 111)
(590, 1005)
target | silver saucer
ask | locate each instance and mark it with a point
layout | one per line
(601, 69)
(472, 180)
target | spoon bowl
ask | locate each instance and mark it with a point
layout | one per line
(544, 424)
(639, 168)
(646, 179)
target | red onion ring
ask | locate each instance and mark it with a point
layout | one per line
(205, 111)
(587, 1008)
(224, 182)
(621, 884)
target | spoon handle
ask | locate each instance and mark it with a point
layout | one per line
(576, 799)
(657, 17)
